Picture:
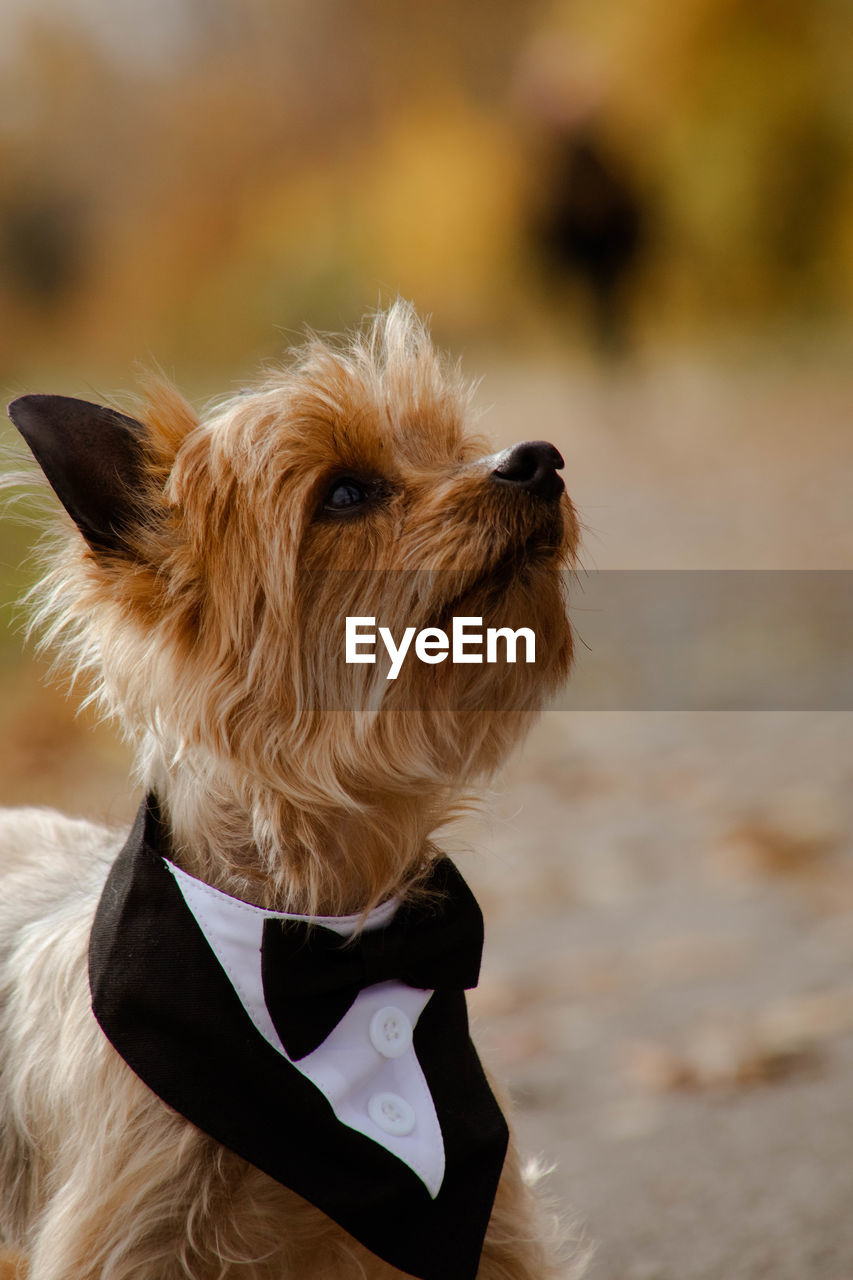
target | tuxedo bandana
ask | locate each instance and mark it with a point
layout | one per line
(338, 1062)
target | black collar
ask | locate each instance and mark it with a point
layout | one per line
(251, 1069)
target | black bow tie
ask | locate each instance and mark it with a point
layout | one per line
(312, 975)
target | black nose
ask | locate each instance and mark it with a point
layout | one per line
(533, 466)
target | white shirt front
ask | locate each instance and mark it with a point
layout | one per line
(366, 1068)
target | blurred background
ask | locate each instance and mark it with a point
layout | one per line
(636, 223)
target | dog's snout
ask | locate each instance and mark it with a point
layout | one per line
(532, 465)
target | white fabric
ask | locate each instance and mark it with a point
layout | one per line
(347, 1068)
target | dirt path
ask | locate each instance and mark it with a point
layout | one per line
(669, 983)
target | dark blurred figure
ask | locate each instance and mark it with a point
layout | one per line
(585, 218)
(589, 225)
(40, 247)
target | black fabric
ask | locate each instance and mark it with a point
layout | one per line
(167, 1007)
(311, 975)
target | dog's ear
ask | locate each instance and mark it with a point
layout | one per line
(94, 459)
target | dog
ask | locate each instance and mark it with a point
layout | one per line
(201, 585)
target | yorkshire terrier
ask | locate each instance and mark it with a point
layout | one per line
(234, 1042)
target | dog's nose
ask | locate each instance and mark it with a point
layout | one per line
(533, 466)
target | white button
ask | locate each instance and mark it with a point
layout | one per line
(392, 1113)
(390, 1031)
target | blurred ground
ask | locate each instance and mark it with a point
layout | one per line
(670, 995)
(669, 896)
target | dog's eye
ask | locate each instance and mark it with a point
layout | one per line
(345, 494)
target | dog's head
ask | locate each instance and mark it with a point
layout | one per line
(219, 561)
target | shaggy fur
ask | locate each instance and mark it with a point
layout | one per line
(214, 636)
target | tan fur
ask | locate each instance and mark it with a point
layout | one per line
(289, 778)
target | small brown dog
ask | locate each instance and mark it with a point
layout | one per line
(204, 592)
